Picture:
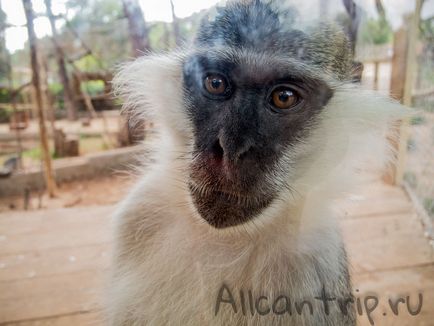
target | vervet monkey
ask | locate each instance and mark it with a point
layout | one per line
(260, 130)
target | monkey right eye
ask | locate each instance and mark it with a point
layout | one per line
(216, 84)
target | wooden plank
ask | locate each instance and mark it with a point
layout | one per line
(79, 319)
(79, 236)
(59, 228)
(385, 242)
(371, 187)
(19, 223)
(371, 201)
(41, 297)
(398, 284)
(363, 207)
(53, 262)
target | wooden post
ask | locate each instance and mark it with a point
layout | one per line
(175, 25)
(399, 62)
(46, 96)
(36, 82)
(404, 65)
(137, 28)
(411, 68)
(70, 105)
(376, 71)
(86, 97)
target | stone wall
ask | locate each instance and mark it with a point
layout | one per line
(68, 169)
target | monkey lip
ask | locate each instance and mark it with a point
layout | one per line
(225, 208)
(228, 193)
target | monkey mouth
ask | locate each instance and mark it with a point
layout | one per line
(226, 208)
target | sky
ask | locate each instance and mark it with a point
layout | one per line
(155, 10)
(159, 10)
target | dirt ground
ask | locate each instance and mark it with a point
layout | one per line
(99, 191)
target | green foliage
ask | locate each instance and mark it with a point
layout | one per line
(3, 50)
(432, 136)
(101, 26)
(158, 36)
(5, 115)
(411, 144)
(93, 12)
(427, 29)
(93, 87)
(55, 88)
(4, 95)
(417, 120)
(89, 63)
(428, 204)
(376, 31)
(36, 153)
(411, 179)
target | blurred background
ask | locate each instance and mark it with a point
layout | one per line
(66, 151)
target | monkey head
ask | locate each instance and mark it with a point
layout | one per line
(257, 105)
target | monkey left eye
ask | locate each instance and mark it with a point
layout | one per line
(216, 84)
(284, 98)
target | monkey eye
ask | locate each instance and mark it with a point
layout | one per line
(284, 98)
(215, 84)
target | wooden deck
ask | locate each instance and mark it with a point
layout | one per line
(52, 263)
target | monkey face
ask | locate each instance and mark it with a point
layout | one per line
(251, 97)
(247, 111)
(248, 102)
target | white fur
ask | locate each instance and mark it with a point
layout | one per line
(169, 263)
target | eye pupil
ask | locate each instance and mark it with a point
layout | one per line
(215, 84)
(283, 98)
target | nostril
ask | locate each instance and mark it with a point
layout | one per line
(244, 151)
(217, 150)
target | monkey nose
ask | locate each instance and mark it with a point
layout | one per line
(218, 151)
(230, 151)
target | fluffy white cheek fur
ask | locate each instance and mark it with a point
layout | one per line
(151, 87)
(350, 137)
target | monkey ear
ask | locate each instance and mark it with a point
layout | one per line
(356, 71)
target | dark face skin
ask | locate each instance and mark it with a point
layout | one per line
(245, 117)
(247, 114)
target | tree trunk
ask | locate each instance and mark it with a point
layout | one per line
(140, 42)
(3, 51)
(47, 102)
(138, 31)
(354, 12)
(380, 8)
(36, 82)
(70, 105)
(6, 61)
(175, 24)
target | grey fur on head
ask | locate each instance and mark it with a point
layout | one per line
(256, 25)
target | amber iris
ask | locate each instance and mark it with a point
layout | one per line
(215, 84)
(283, 98)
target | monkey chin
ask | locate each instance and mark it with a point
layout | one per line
(222, 209)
